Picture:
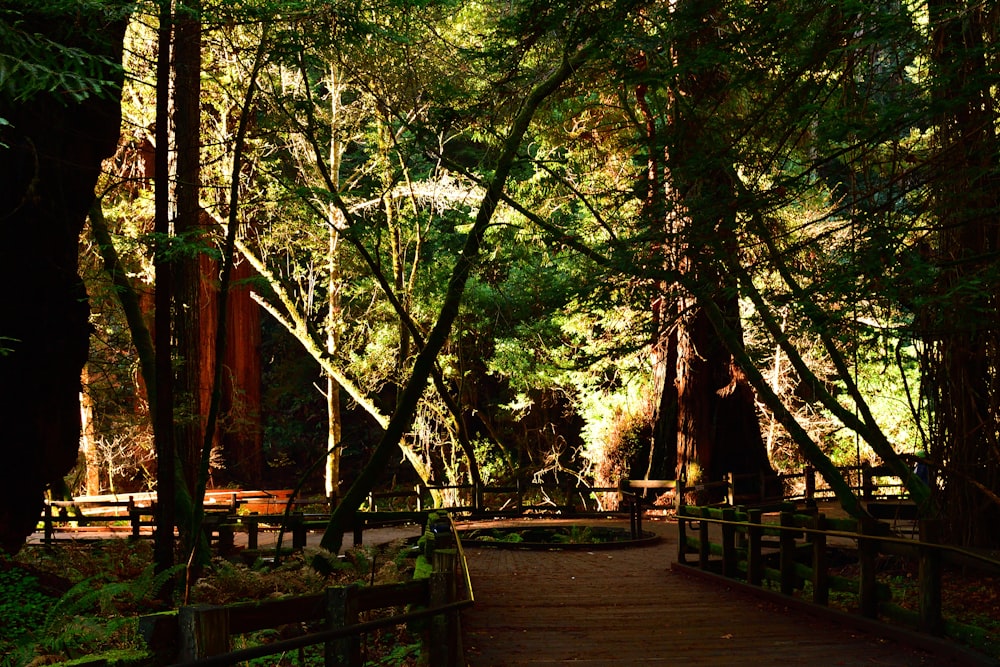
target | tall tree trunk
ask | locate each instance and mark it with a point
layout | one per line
(50, 159)
(241, 441)
(717, 425)
(160, 391)
(335, 222)
(962, 325)
(194, 314)
(91, 457)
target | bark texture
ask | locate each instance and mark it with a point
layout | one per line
(50, 159)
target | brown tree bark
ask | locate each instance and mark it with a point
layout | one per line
(717, 424)
(961, 325)
(241, 439)
(49, 164)
(194, 316)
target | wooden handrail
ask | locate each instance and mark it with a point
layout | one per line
(207, 628)
(871, 538)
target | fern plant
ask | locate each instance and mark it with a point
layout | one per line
(87, 617)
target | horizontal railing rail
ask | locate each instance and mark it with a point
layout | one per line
(203, 632)
(802, 550)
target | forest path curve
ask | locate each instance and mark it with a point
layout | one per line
(626, 607)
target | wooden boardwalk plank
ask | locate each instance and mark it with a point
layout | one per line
(626, 607)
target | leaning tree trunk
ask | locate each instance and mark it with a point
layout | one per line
(50, 159)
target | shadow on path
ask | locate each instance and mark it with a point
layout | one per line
(626, 607)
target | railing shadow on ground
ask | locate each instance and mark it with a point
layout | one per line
(794, 555)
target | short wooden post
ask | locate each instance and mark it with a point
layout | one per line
(299, 532)
(226, 538)
(730, 488)
(134, 518)
(810, 477)
(786, 541)
(342, 612)
(755, 561)
(930, 577)
(444, 646)
(867, 552)
(48, 528)
(253, 526)
(204, 631)
(638, 517)
(867, 481)
(729, 543)
(681, 535)
(704, 548)
(820, 576)
(359, 529)
(635, 517)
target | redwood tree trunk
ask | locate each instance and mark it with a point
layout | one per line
(717, 425)
(49, 165)
(961, 324)
(241, 440)
(194, 312)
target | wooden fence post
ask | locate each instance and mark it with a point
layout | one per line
(730, 478)
(820, 577)
(204, 631)
(867, 551)
(867, 481)
(342, 612)
(729, 543)
(253, 527)
(635, 517)
(755, 562)
(930, 577)
(786, 541)
(298, 527)
(48, 528)
(134, 518)
(704, 548)
(359, 529)
(681, 535)
(444, 647)
(810, 477)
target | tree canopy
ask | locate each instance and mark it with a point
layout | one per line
(556, 240)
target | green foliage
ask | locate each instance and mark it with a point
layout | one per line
(98, 613)
(4, 342)
(32, 63)
(89, 617)
(422, 568)
(23, 606)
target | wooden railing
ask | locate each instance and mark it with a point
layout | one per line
(745, 547)
(85, 513)
(226, 510)
(201, 635)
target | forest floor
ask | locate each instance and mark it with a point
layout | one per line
(505, 584)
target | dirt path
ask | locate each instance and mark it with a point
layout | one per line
(627, 607)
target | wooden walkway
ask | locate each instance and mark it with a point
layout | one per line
(627, 607)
